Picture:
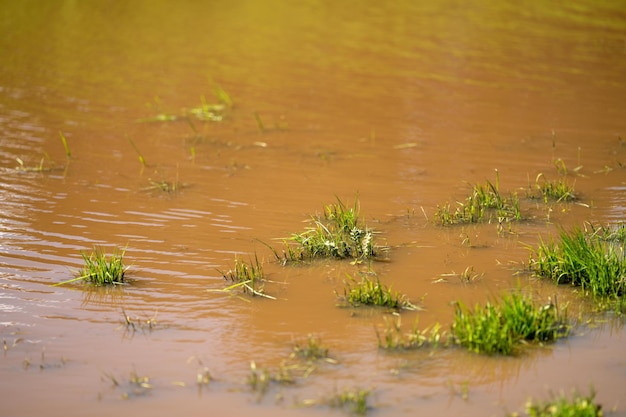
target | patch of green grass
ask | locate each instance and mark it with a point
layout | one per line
(339, 233)
(578, 406)
(500, 328)
(99, 270)
(485, 203)
(593, 260)
(247, 275)
(371, 292)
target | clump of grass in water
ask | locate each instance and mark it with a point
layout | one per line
(558, 190)
(100, 271)
(594, 260)
(579, 405)
(490, 329)
(339, 233)
(501, 328)
(484, 202)
(248, 276)
(311, 350)
(354, 400)
(371, 292)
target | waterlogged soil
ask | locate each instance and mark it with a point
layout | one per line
(405, 105)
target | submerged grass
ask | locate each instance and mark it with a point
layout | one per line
(311, 350)
(339, 233)
(578, 406)
(371, 292)
(354, 400)
(100, 271)
(485, 203)
(393, 338)
(592, 259)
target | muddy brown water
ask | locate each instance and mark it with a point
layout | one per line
(404, 103)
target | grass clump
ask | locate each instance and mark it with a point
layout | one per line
(339, 233)
(98, 270)
(499, 329)
(247, 275)
(593, 260)
(551, 190)
(578, 406)
(485, 203)
(371, 292)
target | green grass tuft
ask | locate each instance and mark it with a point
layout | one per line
(100, 271)
(485, 203)
(339, 233)
(556, 190)
(371, 292)
(593, 260)
(499, 329)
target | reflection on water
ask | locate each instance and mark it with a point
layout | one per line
(405, 104)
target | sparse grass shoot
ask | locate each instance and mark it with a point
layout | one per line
(141, 158)
(65, 145)
(393, 338)
(247, 275)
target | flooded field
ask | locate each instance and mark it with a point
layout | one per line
(403, 106)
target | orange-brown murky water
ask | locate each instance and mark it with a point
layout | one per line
(403, 103)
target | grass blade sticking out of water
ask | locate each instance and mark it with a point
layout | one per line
(585, 259)
(578, 406)
(100, 271)
(371, 292)
(500, 328)
(248, 276)
(65, 145)
(485, 203)
(141, 158)
(339, 233)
